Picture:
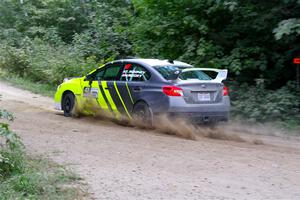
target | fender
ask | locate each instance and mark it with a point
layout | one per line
(73, 85)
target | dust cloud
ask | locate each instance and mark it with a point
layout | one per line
(185, 129)
(170, 126)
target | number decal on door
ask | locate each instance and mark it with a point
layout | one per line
(90, 92)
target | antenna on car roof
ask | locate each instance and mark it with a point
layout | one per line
(171, 61)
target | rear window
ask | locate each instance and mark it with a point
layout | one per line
(168, 71)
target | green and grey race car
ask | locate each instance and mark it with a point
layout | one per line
(147, 88)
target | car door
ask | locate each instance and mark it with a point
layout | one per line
(98, 90)
(132, 84)
(108, 88)
(93, 99)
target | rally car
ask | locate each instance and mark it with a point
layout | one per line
(145, 88)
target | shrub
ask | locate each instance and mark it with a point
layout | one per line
(23, 177)
(14, 60)
(50, 64)
(260, 104)
(11, 149)
(42, 62)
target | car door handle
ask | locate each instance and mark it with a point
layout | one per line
(137, 89)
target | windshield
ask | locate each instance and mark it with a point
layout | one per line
(168, 72)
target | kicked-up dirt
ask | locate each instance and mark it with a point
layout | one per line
(119, 162)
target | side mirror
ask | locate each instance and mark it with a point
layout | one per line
(89, 78)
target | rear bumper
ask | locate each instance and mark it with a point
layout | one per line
(198, 113)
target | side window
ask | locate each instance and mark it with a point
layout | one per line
(99, 74)
(134, 72)
(108, 73)
(112, 72)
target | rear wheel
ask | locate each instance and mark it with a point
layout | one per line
(142, 113)
(68, 104)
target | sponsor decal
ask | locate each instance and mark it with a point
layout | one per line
(128, 66)
(133, 74)
(90, 92)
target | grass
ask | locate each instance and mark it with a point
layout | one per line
(32, 178)
(37, 88)
(291, 125)
(41, 179)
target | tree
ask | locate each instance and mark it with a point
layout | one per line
(236, 34)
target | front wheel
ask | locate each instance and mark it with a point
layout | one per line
(68, 104)
(142, 114)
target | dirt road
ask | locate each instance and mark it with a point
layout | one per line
(129, 163)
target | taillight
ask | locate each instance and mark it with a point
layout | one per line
(172, 91)
(225, 91)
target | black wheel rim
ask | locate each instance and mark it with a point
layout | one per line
(141, 115)
(68, 105)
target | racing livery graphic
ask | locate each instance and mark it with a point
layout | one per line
(145, 88)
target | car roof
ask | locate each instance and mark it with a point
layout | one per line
(156, 62)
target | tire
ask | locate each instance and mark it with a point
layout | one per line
(143, 114)
(68, 104)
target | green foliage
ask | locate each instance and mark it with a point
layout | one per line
(256, 103)
(105, 37)
(23, 177)
(4, 114)
(11, 149)
(287, 27)
(237, 35)
(41, 179)
(35, 18)
(242, 36)
(59, 63)
(43, 62)
(13, 60)
(45, 41)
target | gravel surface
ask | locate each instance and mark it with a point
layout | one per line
(119, 162)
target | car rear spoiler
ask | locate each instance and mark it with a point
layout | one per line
(222, 73)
